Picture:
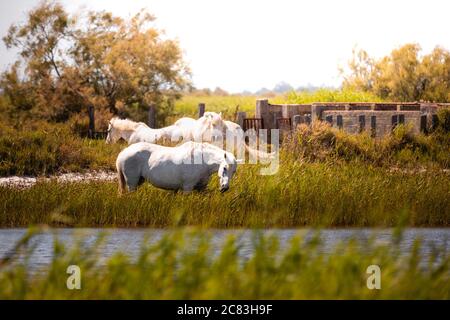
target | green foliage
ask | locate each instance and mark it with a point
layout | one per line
(230, 104)
(50, 149)
(69, 62)
(444, 119)
(326, 177)
(404, 75)
(320, 194)
(400, 149)
(187, 106)
(184, 265)
(330, 95)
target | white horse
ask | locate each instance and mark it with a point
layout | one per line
(208, 128)
(129, 131)
(187, 167)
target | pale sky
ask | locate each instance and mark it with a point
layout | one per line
(245, 45)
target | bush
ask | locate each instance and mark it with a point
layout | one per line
(43, 148)
(444, 119)
(320, 142)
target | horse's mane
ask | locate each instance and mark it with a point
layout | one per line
(213, 117)
(125, 124)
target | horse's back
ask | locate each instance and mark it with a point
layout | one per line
(185, 121)
(136, 153)
(144, 133)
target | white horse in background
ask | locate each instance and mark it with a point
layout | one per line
(187, 167)
(125, 129)
(208, 128)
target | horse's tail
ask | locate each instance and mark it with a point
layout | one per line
(121, 178)
(259, 154)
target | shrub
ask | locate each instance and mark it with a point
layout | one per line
(43, 148)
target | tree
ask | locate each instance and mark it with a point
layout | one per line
(403, 75)
(361, 68)
(434, 75)
(119, 66)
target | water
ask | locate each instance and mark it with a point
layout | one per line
(130, 241)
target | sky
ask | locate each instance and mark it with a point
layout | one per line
(246, 45)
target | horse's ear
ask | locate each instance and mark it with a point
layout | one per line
(220, 114)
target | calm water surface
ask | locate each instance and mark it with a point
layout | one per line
(130, 241)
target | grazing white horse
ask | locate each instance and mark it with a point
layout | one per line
(187, 167)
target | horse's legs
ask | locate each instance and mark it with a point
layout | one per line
(187, 188)
(202, 184)
(133, 182)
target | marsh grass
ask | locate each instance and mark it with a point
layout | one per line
(319, 194)
(52, 148)
(229, 104)
(402, 148)
(326, 178)
(184, 264)
(327, 95)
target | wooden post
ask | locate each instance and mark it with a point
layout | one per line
(297, 121)
(152, 116)
(91, 130)
(262, 107)
(240, 118)
(316, 112)
(201, 109)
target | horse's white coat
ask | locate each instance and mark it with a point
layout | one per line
(208, 128)
(186, 167)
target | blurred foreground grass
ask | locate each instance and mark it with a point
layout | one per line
(184, 265)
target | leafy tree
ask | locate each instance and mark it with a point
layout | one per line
(404, 75)
(119, 66)
(434, 75)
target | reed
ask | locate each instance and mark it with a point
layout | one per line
(301, 193)
(185, 265)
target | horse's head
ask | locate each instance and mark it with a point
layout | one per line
(226, 171)
(214, 126)
(113, 134)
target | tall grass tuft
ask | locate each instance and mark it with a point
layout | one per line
(402, 148)
(51, 148)
(301, 193)
(184, 265)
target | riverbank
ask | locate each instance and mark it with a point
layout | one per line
(23, 182)
(299, 194)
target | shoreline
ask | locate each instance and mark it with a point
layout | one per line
(24, 182)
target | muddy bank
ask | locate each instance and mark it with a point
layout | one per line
(27, 182)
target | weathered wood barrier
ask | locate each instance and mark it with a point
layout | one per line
(377, 118)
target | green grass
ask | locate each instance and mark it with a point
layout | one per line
(183, 265)
(319, 194)
(326, 178)
(228, 105)
(401, 149)
(48, 149)
(329, 95)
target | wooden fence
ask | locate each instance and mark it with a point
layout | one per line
(352, 117)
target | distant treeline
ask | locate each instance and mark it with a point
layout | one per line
(124, 66)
